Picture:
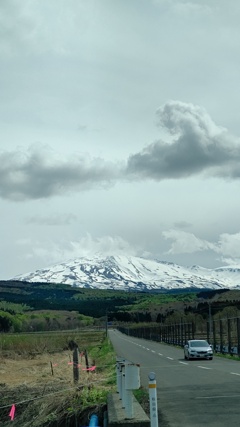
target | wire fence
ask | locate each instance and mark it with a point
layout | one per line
(223, 334)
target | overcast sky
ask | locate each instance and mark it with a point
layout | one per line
(119, 130)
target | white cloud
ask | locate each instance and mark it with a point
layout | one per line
(34, 27)
(228, 245)
(48, 252)
(183, 242)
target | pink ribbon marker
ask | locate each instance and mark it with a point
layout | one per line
(12, 412)
(90, 369)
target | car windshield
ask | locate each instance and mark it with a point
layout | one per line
(199, 344)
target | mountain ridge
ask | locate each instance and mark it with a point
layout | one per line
(125, 272)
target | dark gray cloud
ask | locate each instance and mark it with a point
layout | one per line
(37, 174)
(198, 146)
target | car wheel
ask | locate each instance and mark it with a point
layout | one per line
(210, 358)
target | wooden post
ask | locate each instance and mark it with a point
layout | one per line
(51, 367)
(75, 365)
(86, 360)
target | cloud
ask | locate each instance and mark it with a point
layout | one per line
(53, 220)
(182, 224)
(40, 173)
(185, 6)
(29, 28)
(227, 246)
(198, 146)
(183, 242)
(49, 252)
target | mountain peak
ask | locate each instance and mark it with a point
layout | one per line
(126, 272)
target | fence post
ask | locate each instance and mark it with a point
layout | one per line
(86, 360)
(181, 331)
(214, 334)
(193, 331)
(51, 367)
(238, 335)
(153, 399)
(229, 336)
(221, 335)
(75, 365)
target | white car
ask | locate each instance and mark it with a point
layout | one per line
(198, 349)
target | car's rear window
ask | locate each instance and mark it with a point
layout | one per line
(199, 344)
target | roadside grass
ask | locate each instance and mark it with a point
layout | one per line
(105, 358)
(60, 403)
(142, 397)
(228, 356)
(41, 342)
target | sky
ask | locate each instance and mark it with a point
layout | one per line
(119, 131)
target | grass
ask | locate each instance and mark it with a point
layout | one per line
(60, 403)
(39, 342)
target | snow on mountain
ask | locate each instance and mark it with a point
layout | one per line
(134, 273)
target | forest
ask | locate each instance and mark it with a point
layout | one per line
(31, 307)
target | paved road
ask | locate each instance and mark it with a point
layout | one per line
(190, 393)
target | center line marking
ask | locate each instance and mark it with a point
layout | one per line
(234, 373)
(170, 358)
(160, 354)
(184, 363)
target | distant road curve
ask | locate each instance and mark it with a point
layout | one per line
(190, 393)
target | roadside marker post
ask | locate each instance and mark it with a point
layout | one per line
(132, 382)
(123, 387)
(153, 399)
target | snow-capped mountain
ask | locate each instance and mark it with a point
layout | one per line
(133, 273)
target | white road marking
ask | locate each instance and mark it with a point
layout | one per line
(170, 358)
(160, 354)
(220, 396)
(153, 351)
(203, 367)
(184, 363)
(234, 373)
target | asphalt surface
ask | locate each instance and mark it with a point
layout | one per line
(192, 393)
